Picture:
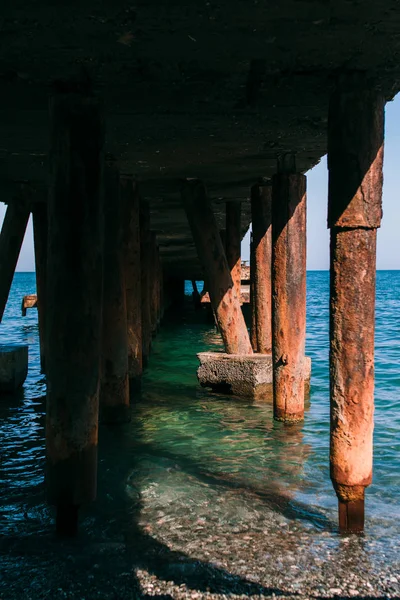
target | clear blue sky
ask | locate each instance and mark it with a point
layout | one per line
(317, 185)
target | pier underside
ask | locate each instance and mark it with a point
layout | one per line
(191, 89)
(168, 126)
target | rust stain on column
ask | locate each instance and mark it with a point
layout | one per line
(74, 307)
(261, 267)
(132, 266)
(153, 283)
(355, 158)
(288, 294)
(233, 239)
(114, 390)
(39, 215)
(11, 238)
(223, 295)
(145, 253)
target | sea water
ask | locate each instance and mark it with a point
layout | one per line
(186, 450)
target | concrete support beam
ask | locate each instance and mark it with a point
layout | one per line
(223, 295)
(114, 390)
(133, 279)
(288, 290)
(233, 239)
(74, 307)
(261, 268)
(355, 159)
(11, 238)
(39, 217)
(145, 254)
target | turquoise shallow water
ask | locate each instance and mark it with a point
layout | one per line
(185, 447)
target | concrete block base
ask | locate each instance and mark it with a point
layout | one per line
(248, 376)
(13, 367)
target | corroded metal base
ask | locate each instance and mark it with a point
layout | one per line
(351, 516)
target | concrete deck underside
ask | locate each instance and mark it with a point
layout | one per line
(191, 89)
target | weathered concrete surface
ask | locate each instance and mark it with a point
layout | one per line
(224, 299)
(114, 388)
(74, 279)
(288, 293)
(11, 238)
(133, 277)
(261, 268)
(248, 376)
(29, 301)
(355, 159)
(233, 242)
(195, 89)
(13, 367)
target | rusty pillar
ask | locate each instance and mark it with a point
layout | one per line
(223, 295)
(253, 323)
(233, 235)
(260, 270)
(74, 304)
(132, 266)
(114, 389)
(153, 283)
(145, 253)
(39, 217)
(11, 238)
(355, 159)
(288, 290)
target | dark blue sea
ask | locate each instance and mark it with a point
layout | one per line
(194, 457)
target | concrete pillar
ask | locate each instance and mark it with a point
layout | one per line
(233, 236)
(261, 267)
(153, 283)
(288, 290)
(253, 322)
(39, 217)
(114, 390)
(174, 290)
(74, 306)
(11, 238)
(145, 253)
(223, 295)
(355, 158)
(133, 279)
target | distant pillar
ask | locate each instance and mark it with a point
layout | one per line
(174, 290)
(261, 267)
(355, 158)
(39, 217)
(223, 295)
(74, 306)
(153, 283)
(145, 253)
(288, 290)
(114, 390)
(233, 243)
(11, 238)
(133, 278)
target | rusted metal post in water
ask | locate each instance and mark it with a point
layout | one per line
(355, 159)
(288, 290)
(261, 266)
(74, 306)
(39, 217)
(223, 295)
(11, 238)
(114, 389)
(145, 254)
(233, 238)
(132, 266)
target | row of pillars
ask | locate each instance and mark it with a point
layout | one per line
(278, 282)
(99, 295)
